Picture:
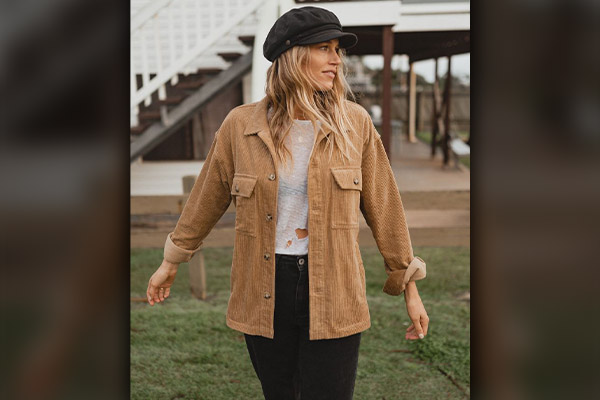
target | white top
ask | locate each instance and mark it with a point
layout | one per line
(292, 201)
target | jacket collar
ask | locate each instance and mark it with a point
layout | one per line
(258, 125)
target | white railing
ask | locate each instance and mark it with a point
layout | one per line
(168, 36)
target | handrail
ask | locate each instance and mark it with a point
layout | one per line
(159, 132)
(147, 12)
(155, 24)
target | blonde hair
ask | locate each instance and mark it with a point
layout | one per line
(290, 87)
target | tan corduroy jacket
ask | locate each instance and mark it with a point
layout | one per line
(241, 165)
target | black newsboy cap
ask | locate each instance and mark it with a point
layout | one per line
(305, 25)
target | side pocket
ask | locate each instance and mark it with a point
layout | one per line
(242, 190)
(345, 202)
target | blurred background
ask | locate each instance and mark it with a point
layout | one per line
(68, 120)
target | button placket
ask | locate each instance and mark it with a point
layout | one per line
(267, 256)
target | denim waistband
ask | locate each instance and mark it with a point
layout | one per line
(290, 257)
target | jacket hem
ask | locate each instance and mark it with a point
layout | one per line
(339, 333)
(331, 334)
(247, 329)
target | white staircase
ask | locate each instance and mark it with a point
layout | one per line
(171, 39)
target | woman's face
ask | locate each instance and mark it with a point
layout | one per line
(324, 61)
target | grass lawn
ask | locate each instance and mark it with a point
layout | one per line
(182, 349)
(426, 138)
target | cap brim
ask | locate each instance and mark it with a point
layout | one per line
(346, 39)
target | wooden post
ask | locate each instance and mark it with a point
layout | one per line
(412, 99)
(420, 112)
(196, 264)
(188, 183)
(198, 276)
(386, 114)
(434, 114)
(447, 88)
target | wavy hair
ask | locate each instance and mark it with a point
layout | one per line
(290, 87)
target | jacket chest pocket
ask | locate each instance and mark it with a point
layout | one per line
(347, 185)
(245, 203)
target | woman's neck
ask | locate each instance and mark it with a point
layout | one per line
(298, 114)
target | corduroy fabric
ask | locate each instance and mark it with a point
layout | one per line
(241, 166)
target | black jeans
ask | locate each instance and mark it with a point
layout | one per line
(290, 366)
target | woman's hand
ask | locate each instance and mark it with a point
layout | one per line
(159, 286)
(416, 312)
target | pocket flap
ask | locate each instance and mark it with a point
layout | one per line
(243, 185)
(348, 177)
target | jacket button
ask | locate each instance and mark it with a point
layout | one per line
(267, 256)
(356, 181)
(267, 295)
(272, 177)
(269, 217)
(287, 42)
(237, 188)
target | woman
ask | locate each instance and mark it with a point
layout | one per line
(300, 165)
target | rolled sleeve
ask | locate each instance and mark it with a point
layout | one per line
(398, 279)
(176, 254)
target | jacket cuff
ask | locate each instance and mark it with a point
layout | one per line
(176, 254)
(397, 280)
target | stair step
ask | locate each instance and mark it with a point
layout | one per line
(149, 115)
(181, 113)
(138, 129)
(230, 57)
(210, 61)
(247, 40)
(208, 71)
(171, 100)
(192, 83)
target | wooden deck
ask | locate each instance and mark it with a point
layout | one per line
(413, 167)
(415, 171)
(436, 200)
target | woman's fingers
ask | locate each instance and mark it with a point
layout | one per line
(150, 293)
(418, 328)
(153, 292)
(411, 334)
(159, 284)
(425, 323)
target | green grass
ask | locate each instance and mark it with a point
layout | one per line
(182, 349)
(425, 137)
